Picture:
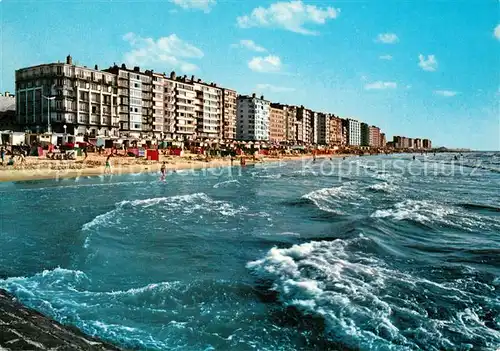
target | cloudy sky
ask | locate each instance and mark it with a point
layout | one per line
(415, 68)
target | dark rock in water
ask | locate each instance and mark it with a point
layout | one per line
(22, 328)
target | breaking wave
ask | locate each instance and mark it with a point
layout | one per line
(332, 199)
(370, 306)
(431, 212)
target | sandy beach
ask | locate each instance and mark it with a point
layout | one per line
(35, 168)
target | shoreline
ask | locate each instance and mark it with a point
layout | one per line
(139, 166)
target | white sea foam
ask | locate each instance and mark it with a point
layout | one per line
(427, 212)
(384, 187)
(332, 199)
(226, 183)
(365, 304)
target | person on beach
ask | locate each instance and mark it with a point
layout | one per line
(85, 152)
(107, 168)
(242, 162)
(163, 172)
(2, 154)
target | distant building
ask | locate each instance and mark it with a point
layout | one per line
(365, 134)
(426, 144)
(383, 140)
(323, 128)
(305, 125)
(336, 131)
(8, 112)
(276, 124)
(417, 143)
(253, 118)
(353, 131)
(229, 114)
(375, 139)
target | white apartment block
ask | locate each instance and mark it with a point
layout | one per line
(253, 118)
(82, 99)
(353, 131)
(208, 107)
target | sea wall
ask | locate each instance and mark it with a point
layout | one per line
(22, 328)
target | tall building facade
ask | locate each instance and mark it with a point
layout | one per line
(417, 143)
(305, 132)
(277, 126)
(353, 131)
(375, 137)
(365, 134)
(54, 95)
(383, 140)
(323, 128)
(253, 118)
(336, 132)
(229, 106)
(426, 144)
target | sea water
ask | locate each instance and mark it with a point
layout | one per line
(369, 253)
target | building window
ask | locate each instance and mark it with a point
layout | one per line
(59, 70)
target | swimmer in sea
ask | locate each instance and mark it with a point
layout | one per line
(163, 171)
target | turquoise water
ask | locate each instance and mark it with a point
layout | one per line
(370, 253)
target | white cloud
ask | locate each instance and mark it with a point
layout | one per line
(385, 57)
(250, 45)
(496, 32)
(168, 51)
(292, 15)
(380, 85)
(203, 5)
(430, 64)
(387, 38)
(269, 63)
(273, 88)
(446, 93)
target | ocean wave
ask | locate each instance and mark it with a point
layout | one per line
(367, 305)
(226, 183)
(335, 198)
(383, 187)
(199, 203)
(429, 212)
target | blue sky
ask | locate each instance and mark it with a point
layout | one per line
(415, 68)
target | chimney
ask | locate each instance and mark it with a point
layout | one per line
(262, 97)
(172, 75)
(123, 66)
(137, 69)
(96, 67)
(69, 60)
(253, 95)
(192, 78)
(199, 80)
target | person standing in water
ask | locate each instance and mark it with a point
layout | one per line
(107, 168)
(163, 171)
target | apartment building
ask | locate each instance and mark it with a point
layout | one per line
(50, 97)
(374, 136)
(426, 144)
(277, 125)
(365, 134)
(383, 140)
(322, 129)
(229, 106)
(163, 100)
(417, 143)
(305, 123)
(289, 121)
(353, 131)
(135, 92)
(336, 131)
(253, 118)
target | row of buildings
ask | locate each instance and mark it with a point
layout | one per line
(127, 102)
